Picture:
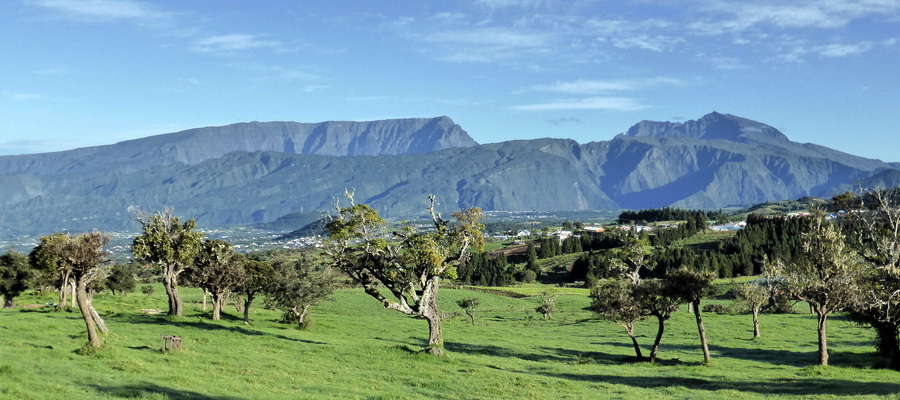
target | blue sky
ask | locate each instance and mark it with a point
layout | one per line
(79, 73)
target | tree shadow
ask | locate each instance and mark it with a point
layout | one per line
(545, 354)
(144, 389)
(163, 320)
(804, 387)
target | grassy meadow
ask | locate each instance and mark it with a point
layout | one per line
(355, 349)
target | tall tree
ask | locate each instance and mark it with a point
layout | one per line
(692, 286)
(15, 274)
(410, 265)
(826, 275)
(216, 269)
(171, 244)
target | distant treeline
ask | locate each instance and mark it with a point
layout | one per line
(740, 255)
(667, 214)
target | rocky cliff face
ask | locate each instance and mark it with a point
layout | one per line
(336, 138)
(716, 161)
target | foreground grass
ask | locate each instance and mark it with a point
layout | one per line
(358, 350)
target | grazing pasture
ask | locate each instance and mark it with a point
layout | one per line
(355, 349)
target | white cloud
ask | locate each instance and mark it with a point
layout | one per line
(102, 9)
(235, 42)
(602, 86)
(842, 50)
(590, 103)
(657, 43)
(822, 14)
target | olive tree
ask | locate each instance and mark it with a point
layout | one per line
(409, 263)
(15, 274)
(826, 274)
(170, 244)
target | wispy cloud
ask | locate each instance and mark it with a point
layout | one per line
(226, 44)
(486, 44)
(590, 103)
(822, 14)
(656, 43)
(843, 50)
(17, 96)
(103, 9)
(588, 87)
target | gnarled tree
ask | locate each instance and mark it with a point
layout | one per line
(82, 255)
(171, 244)
(410, 264)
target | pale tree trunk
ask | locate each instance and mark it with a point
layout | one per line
(217, 300)
(702, 331)
(96, 316)
(756, 322)
(823, 340)
(72, 294)
(301, 314)
(629, 328)
(99, 321)
(170, 281)
(84, 304)
(63, 292)
(661, 326)
(433, 316)
(205, 295)
(8, 301)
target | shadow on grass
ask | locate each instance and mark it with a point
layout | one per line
(805, 387)
(163, 320)
(145, 389)
(546, 354)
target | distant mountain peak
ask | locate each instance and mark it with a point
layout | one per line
(712, 126)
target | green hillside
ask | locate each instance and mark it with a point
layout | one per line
(358, 350)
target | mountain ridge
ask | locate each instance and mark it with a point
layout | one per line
(629, 171)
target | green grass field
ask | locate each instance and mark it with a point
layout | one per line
(358, 350)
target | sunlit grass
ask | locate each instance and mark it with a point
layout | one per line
(358, 350)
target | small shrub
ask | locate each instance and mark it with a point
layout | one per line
(147, 289)
(716, 308)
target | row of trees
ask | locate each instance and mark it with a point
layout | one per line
(851, 264)
(77, 264)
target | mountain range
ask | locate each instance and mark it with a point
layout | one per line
(264, 172)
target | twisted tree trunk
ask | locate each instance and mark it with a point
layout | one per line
(84, 305)
(432, 314)
(170, 281)
(823, 339)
